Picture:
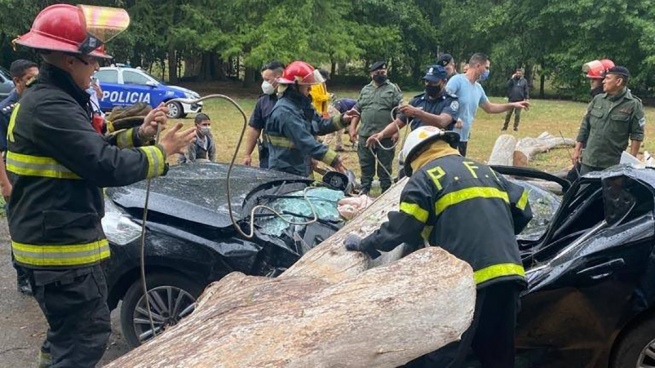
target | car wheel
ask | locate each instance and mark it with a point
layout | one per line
(637, 348)
(175, 110)
(172, 297)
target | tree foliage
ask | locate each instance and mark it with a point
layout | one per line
(217, 38)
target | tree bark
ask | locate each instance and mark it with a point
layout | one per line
(503, 150)
(507, 151)
(527, 148)
(172, 64)
(327, 310)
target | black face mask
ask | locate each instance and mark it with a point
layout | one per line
(432, 91)
(380, 78)
(596, 91)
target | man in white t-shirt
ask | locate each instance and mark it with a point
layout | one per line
(470, 95)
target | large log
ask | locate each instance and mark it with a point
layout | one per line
(503, 149)
(527, 148)
(507, 151)
(328, 310)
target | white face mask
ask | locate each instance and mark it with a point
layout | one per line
(205, 131)
(267, 88)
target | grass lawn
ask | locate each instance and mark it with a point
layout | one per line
(544, 115)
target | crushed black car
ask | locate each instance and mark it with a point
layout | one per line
(591, 276)
(191, 242)
(589, 255)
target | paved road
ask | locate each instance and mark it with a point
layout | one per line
(22, 325)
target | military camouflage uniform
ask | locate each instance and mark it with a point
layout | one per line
(375, 104)
(606, 127)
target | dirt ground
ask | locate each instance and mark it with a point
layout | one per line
(22, 325)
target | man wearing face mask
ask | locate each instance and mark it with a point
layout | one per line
(471, 95)
(293, 123)
(375, 102)
(203, 146)
(263, 107)
(517, 90)
(434, 107)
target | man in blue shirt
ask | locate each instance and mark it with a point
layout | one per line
(470, 95)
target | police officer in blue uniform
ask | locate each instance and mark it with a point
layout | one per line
(433, 107)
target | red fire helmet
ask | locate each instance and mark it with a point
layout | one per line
(75, 29)
(596, 69)
(299, 72)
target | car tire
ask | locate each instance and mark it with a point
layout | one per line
(635, 347)
(172, 298)
(175, 110)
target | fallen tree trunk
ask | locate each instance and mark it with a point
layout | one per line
(527, 148)
(503, 149)
(327, 310)
(508, 152)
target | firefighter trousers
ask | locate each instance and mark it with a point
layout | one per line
(490, 336)
(74, 302)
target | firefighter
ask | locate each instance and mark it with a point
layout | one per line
(293, 123)
(596, 73)
(474, 213)
(58, 164)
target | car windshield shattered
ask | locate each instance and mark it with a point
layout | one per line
(544, 204)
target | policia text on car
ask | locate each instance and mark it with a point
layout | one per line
(58, 163)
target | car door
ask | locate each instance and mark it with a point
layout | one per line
(111, 88)
(141, 88)
(587, 278)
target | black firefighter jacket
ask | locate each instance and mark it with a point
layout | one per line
(290, 131)
(58, 164)
(465, 208)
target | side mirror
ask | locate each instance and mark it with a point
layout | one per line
(151, 84)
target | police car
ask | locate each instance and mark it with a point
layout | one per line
(123, 86)
(6, 84)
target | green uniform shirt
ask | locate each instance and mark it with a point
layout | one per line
(375, 104)
(607, 125)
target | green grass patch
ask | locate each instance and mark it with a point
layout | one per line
(552, 116)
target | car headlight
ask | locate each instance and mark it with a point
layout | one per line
(119, 228)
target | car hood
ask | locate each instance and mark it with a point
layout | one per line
(197, 192)
(183, 90)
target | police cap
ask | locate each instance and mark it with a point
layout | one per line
(619, 70)
(444, 59)
(378, 65)
(435, 73)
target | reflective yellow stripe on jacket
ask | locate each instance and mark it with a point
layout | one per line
(415, 211)
(124, 138)
(61, 255)
(156, 161)
(29, 165)
(523, 201)
(462, 195)
(499, 270)
(279, 141)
